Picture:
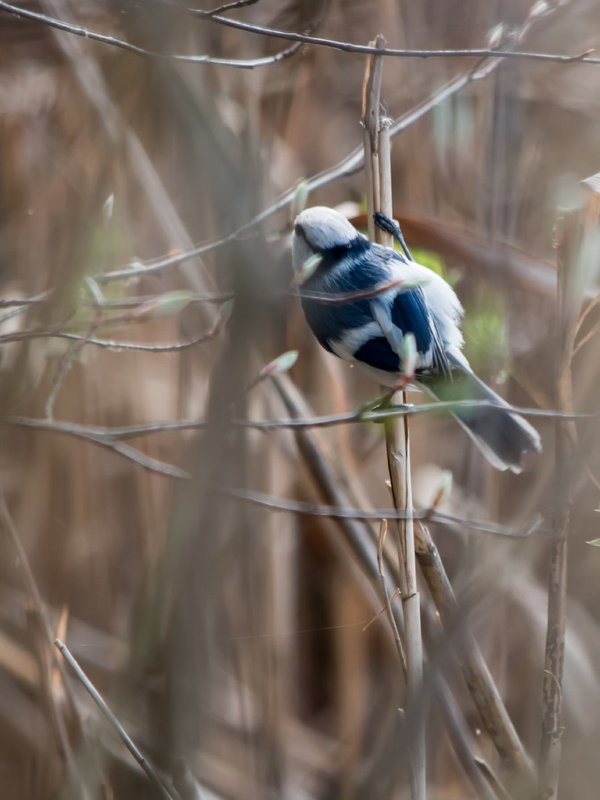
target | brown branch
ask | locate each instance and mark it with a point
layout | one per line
(579, 229)
(96, 436)
(349, 297)
(349, 165)
(144, 763)
(360, 49)
(230, 7)
(47, 658)
(38, 299)
(40, 333)
(85, 33)
(65, 364)
(484, 692)
(166, 426)
(378, 178)
(479, 680)
(373, 515)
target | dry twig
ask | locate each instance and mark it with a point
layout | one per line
(379, 198)
(144, 763)
(578, 230)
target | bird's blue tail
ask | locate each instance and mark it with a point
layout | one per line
(502, 436)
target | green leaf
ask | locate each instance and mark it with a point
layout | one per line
(171, 303)
(223, 314)
(280, 364)
(594, 542)
(301, 193)
(94, 290)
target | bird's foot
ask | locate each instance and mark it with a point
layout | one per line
(382, 403)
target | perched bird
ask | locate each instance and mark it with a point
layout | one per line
(369, 328)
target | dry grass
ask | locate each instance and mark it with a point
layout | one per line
(247, 651)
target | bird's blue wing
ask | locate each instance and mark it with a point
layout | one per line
(372, 330)
(407, 313)
(377, 353)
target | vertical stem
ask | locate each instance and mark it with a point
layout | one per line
(552, 728)
(579, 234)
(379, 198)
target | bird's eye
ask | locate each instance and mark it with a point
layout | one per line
(299, 230)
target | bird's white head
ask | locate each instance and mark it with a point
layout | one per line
(319, 229)
(323, 228)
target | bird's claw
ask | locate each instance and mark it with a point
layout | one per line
(381, 403)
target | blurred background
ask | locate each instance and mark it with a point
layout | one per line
(245, 648)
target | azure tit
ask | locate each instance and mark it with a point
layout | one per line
(369, 330)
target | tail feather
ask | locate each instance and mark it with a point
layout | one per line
(502, 436)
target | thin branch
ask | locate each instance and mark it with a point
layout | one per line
(381, 415)
(361, 49)
(110, 345)
(127, 302)
(383, 526)
(478, 678)
(85, 33)
(206, 297)
(338, 299)
(374, 515)
(578, 229)
(56, 714)
(92, 435)
(378, 178)
(492, 779)
(144, 763)
(480, 682)
(230, 7)
(65, 364)
(38, 299)
(347, 166)
(460, 735)
(166, 426)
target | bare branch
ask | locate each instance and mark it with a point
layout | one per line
(347, 166)
(110, 345)
(96, 436)
(349, 297)
(481, 684)
(378, 415)
(144, 763)
(361, 49)
(121, 433)
(374, 515)
(93, 432)
(378, 179)
(47, 659)
(38, 299)
(77, 30)
(230, 7)
(66, 362)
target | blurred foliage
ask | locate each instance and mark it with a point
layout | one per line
(246, 650)
(485, 328)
